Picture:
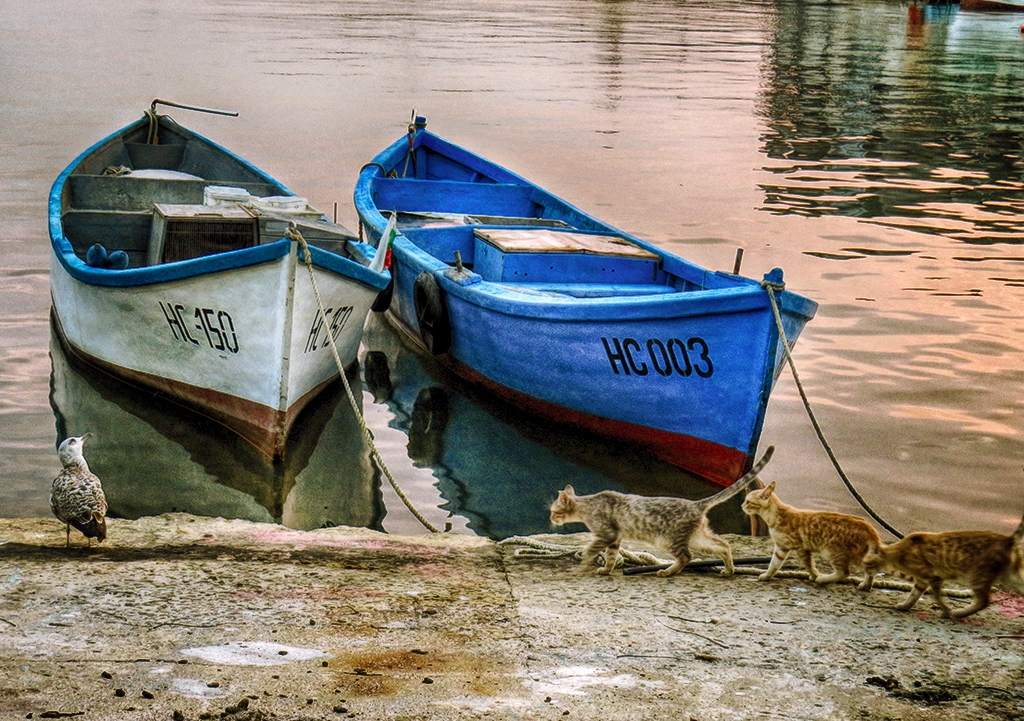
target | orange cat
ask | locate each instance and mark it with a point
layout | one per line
(841, 538)
(978, 559)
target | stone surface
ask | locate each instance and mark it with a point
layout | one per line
(179, 617)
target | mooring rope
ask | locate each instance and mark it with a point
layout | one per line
(771, 287)
(535, 548)
(292, 233)
(153, 135)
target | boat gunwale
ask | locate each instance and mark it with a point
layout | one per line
(194, 267)
(497, 297)
(499, 174)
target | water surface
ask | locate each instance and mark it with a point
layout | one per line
(871, 149)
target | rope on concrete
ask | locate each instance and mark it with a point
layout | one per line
(534, 548)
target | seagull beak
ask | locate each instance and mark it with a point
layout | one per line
(85, 437)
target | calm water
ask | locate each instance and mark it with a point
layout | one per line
(871, 149)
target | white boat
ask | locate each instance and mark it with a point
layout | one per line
(170, 268)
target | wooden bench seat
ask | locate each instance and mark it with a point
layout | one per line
(590, 290)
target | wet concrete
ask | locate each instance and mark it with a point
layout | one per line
(179, 617)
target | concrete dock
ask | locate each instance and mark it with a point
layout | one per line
(179, 617)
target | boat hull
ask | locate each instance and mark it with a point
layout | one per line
(688, 385)
(249, 347)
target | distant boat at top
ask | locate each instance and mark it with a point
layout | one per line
(170, 268)
(1004, 6)
(571, 318)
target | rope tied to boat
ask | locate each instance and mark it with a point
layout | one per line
(153, 136)
(775, 287)
(292, 233)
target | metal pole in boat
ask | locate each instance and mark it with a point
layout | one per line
(737, 262)
(197, 108)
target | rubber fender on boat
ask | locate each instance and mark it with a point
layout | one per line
(383, 300)
(432, 314)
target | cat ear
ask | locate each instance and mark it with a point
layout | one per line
(770, 488)
(569, 491)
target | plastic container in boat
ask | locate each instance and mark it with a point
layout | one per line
(282, 203)
(225, 195)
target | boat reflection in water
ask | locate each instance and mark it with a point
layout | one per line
(491, 464)
(499, 467)
(155, 457)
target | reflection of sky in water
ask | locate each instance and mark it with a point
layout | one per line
(922, 132)
(911, 122)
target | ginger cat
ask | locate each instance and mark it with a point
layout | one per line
(842, 539)
(979, 559)
(678, 525)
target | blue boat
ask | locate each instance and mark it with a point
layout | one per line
(569, 317)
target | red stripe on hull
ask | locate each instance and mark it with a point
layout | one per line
(712, 461)
(264, 427)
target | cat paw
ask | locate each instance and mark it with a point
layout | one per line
(603, 571)
(764, 577)
(725, 572)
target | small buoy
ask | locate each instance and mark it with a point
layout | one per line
(117, 260)
(96, 256)
(1022, 28)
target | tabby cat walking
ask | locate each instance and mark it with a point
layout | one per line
(979, 559)
(678, 525)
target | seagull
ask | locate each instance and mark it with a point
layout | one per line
(76, 496)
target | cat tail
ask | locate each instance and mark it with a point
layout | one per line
(741, 484)
(1018, 535)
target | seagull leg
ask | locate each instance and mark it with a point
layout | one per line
(67, 543)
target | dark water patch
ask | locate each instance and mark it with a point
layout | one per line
(825, 255)
(885, 253)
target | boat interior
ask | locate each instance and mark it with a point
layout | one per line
(517, 234)
(146, 204)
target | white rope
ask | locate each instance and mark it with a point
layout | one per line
(535, 548)
(292, 233)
